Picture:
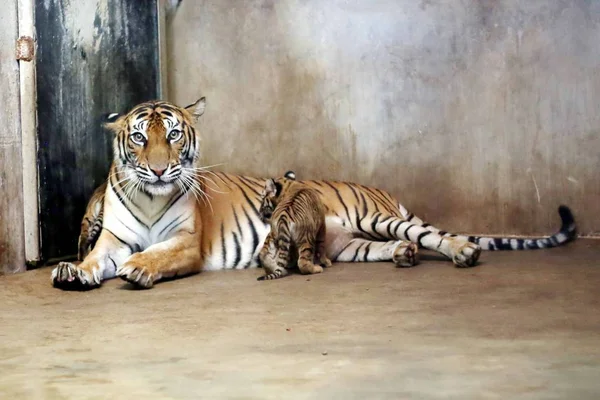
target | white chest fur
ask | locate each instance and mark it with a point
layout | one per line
(143, 221)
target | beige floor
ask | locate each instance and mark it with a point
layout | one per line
(522, 325)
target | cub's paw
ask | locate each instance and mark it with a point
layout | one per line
(137, 274)
(406, 255)
(310, 269)
(68, 276)
(326, 263)
(467, 255)
(317, 269)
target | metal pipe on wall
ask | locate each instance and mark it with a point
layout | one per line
(28, 95)
(161, 16)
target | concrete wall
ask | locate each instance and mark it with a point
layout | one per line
(481, 116)
(12, 250)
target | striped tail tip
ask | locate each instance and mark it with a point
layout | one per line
(269, 277)
(567, 232)
(569, 227)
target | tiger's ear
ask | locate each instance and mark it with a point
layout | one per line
(197, 109)
(113, 121)
(291, 175)
(270, 189)
(112, 117)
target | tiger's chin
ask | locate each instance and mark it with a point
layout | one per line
(160, 188)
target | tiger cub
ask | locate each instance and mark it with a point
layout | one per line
(297, 218)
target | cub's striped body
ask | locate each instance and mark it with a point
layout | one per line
(297, 218)
(164, 215)
(92, 222)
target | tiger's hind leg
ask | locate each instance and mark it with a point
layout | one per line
(406, 254)
(402, 253)
(466, 253)
(268, 260)
(458, 248)
(267, 254)
(306, 256)
(321, 250)
(274, 257)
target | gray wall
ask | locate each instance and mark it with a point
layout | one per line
(12, 250)
(481, 116)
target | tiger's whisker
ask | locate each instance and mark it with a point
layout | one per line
(196, 188)
(216, 176)
(206, 178)
(215, 188)
(206, 166)
(202, 169)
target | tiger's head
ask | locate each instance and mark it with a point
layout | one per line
(156, 145)
(272, 192)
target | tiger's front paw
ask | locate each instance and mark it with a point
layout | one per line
(467, 255)
(68, 276)
(137, 272)
(406, 255)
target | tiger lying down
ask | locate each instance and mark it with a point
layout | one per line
(161, 214)
(297, 218)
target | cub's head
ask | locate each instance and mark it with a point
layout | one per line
(156, 145)
(272, 194)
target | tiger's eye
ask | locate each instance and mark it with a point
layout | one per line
(174, 135)
(138, 137)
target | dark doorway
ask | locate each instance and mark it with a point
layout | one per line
(94, 57)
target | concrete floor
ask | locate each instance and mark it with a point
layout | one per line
(522, 325)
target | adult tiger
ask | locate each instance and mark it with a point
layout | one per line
(163, 215)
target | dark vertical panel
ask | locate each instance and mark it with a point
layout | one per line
(94, 57)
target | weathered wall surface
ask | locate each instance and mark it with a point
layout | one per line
(12, 251)
(481, 116)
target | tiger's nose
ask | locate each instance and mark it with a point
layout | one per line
(158, 172)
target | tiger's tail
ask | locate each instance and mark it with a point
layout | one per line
(278, 273)
(566, 233)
